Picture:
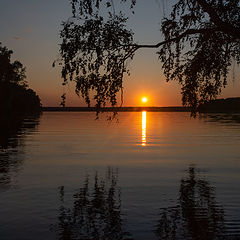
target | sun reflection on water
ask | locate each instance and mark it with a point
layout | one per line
(144, 123)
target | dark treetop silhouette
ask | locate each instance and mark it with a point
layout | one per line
(201, 39)
(15, 96)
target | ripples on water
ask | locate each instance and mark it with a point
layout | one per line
(12, 133)
(147, 176)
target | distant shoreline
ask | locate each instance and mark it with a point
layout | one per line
(116, 109)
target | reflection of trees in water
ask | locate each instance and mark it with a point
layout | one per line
(12, 132)
(96, 211)
(196, 216)
(221, 118)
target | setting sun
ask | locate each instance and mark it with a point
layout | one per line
(144, 99)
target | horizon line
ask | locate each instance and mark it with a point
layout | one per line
(119, 109)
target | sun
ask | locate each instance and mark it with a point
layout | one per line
(144, 99)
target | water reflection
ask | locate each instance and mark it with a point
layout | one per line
(196, 216)
(12, 132)
(221, 118)
(144, 126)
(95, 212)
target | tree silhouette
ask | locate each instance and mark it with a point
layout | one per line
(11, 72)
(15, 96)
(201, 40)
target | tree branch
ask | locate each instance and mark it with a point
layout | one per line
(224, 26)
(177, 38)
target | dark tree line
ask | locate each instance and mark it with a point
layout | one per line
(15, 96)
(201, 40)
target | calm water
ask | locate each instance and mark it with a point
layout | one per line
(145, 176)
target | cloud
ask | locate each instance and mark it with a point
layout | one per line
(24, 31)
(16, 38)
(27, 30)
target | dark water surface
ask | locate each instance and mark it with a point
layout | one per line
(147, 176)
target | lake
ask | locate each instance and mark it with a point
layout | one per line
(143, 175)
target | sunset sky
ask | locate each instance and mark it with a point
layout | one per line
(31, 29)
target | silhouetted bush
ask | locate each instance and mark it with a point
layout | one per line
(15, 96)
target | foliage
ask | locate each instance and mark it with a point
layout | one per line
(11, 72)
(94, 51)
(15, 96)
(201, 40)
